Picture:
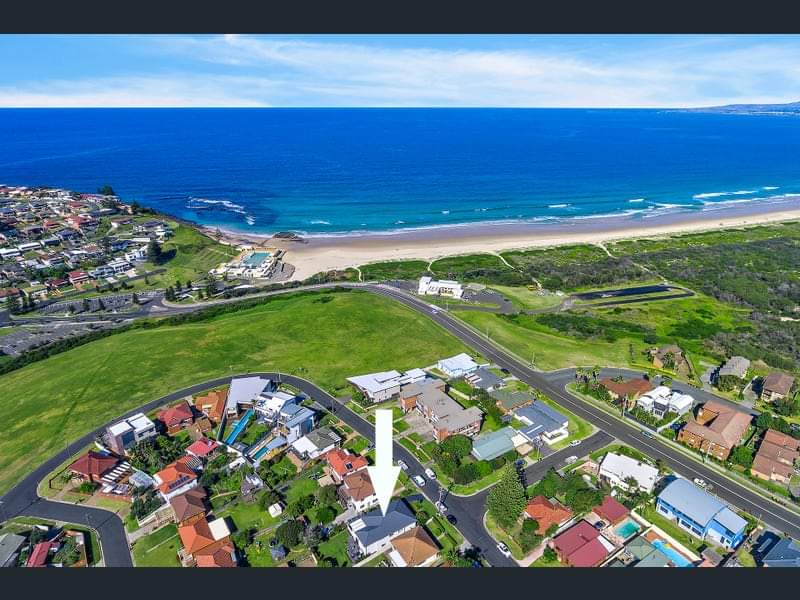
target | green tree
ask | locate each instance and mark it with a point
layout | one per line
(507, 499)
(549, 554)
(290, 533)
(742, 456)
(154, 252)
(458, 446)
(326, 495)
(529, 537)
(325, 514)
(106, 190)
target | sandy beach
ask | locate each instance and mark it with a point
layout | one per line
(324, 253)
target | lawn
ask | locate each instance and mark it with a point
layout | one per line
(300, 487)
(158, 549)
(524, 297)
(247, 514)
(543, 562)
(330, 336)
(671, 528)
(400, 269)
(357, 445)
(501, 535)
(336, 548)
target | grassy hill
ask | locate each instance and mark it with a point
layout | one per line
(324, 337)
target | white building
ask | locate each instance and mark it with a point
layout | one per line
(662, 400)
(442, 287)
(383, 386)
(616, 468)
(270, 404)
(129, 432)
(137, 254)
(457, 366)
(244, 391)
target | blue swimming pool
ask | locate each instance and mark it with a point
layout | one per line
(256, 258)
(239, 427)
(627, 529)
(673, 555)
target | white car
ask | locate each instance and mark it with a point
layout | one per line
(430, 473)
(700, 482)
(574, 443)
(441, 508)
(402, 465)
(570, 459)
(504, 550)
(419, 480)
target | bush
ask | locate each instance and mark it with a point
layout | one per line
(325, 514)
(550, 555)
(742, 456)
(528, 537)
(290, 533)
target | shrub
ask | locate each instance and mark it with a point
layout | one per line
(290, 533)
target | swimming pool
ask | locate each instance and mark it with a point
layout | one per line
(256, 258)
(675, 556)
(627, 529)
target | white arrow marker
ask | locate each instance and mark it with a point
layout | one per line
(384, 473)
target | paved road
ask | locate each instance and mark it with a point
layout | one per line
(770, 512)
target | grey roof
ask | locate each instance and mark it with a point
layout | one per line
(543, 419)
(245, 389)
(9, 544)
(486, 379)
(511, 400)
(491, 445)
(323, 437)
(655, 559)
(786, 553)
(700, 506)
(376, 526)
(736, 365)
(296, 414)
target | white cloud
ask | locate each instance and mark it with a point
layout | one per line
(238, 70)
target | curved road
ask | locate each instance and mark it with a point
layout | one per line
(24, 500)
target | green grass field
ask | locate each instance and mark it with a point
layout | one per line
(336, 548)
(158, 549)
(400, 269)
(524, 298)
(50, 403)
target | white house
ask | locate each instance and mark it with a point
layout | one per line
(662, 400)
(373, 532)
(270, 404)
(616, 468)
(383, 386)
(137, 254)
(130, 431)
(443, 287)
(457, 366)
(316, 443)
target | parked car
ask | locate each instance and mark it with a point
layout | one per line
(504, 550)
(570, 459)
(429, 472)
(600, 525)
(700, 482)
(451, 519)
(646, 433)
(574, 443)
(441, 508)
(419, 480)
(402, 465)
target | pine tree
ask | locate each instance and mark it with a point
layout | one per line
(507, 499)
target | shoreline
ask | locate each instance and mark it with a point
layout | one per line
(325, 253)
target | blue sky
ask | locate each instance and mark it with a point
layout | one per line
(407, 70)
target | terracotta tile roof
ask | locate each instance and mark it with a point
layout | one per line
(343, 463)
(580, 545)
(726, 429)
(776, 452)
(218, 554)
(358, 485)
(38, 557)
(213, 403)
(781, 439)
(189, 504)
(627, 387)
(174, 475)
(174, 415)
(610, 510)
(547, 513)
(94, 464)
(196, 536)
(415, 546)
(202, 447)
(768, 466)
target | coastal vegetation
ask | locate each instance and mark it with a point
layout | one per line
(56, 400)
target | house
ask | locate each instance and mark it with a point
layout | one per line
(716, 429)
(414, 548)
(776, 386)
(9, 292)
(178, 417)
(40, 554)
(130, 431)
(212, 404)
(670, 357)
(316, 443)
(189, 507)
(484, 379)
(776, 457)
(373, 532)
(77, 277)
(509, 401)
(175, 479)
(581, 546)
(446, 416)
(611, 511)
(786, 553)
(630, 389)
(10, 543)
(202, 448)
(547, 513)
(736, 366)
(341, 463)
(459, 365)
(379, 387)
(244, 391)
(270, 404)
(357, 493)
(700, 513)
(489, 446)
(662, 400)
(617, 470)
(295, 421)
(199, 428)
(251, 484)
(639, 552)
(444, 287)
(201, 537)
(218, 554)
(540, 422)
(93, 466)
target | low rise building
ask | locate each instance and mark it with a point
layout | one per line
(357, 493)
(542, 423)
(716, 429)
(212, 404)
(316, 443)
(129, 432)
(484, 379)
(178, 417)
(442, 287)
(582, 546)
(776, 386)
(414, 548)
(618, 470)
(489, 446)
(383, 386)
(776, 457)
(189, 507)
(175, 479)
(630, 389)
(342, 463)
(459, 365)
(93, 466)
(662, 400)
(446, 416)
(547, 513)
(373, 532)
(786, 553)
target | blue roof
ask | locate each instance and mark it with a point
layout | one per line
(543, 419)
(491, 445)
(376, 526)
(700, 506)
(298, 416)
(786, 553)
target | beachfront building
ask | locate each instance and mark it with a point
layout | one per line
(716, 429)
(443, 287)
(258, 263)
(662, 400)
(459, 365)
(618, 470)
(776, 457)
(383, 386)
(700, 513)
(244, 392)
(776, 386)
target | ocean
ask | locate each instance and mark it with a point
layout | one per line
(336, 171)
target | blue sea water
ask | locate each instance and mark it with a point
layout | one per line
(343, 170)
